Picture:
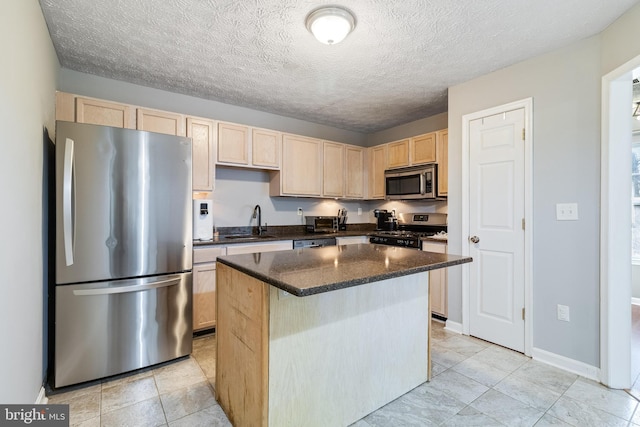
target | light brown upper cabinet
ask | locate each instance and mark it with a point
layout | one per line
(398, 154)
(233, 144)
(423, 149)
(333, 170)
(161, 122)
(354, 172)
(265, 148)
(301, 171)
(240, 145)
(377, 165)
(105, 113)
(442, 154)
(203, 133)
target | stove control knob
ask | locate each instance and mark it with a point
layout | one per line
(474, 239)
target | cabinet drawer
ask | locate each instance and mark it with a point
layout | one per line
(208, 254)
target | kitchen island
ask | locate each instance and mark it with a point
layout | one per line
(321, 336)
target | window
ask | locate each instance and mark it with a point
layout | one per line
(635, 201)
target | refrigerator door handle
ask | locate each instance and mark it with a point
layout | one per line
(67, 205)
(173, 280)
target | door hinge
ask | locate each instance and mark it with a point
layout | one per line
(523, 134)
(523, 223)
(522, 313)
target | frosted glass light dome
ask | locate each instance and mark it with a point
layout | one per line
(330, 24)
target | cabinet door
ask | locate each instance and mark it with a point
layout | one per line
(301, 166)
(354, 173)
(202, 132)
(423, 149)
(266, 148)
(377, 165)
(398, 153)
(437, 281)
(333, 170)
(233, 144)
(105, 113)
(204, 296)
(161, 122)
(442, 151)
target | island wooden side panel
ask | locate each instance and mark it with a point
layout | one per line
(242, 347)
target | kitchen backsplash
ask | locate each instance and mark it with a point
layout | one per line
(237, 191)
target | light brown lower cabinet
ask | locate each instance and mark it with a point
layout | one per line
(437, 280)
(204, 286)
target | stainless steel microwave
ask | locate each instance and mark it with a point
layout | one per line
(416, 182)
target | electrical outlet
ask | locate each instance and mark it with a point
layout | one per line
(359, 211)
(563, 312)
(567, 211)
(299, 211)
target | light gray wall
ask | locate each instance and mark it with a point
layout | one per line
(565, 87)
(418, 127)
(115, 90)
(28, 78)
(239, 190)
(620, 41)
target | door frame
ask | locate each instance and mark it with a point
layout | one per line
(527, 104)
(615, 220)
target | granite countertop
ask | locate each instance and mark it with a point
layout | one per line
(309, 271)
(288, 233)
(224, 239)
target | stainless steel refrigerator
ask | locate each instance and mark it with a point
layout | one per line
(123, 293)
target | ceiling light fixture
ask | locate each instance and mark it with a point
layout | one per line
(636, 112)
(330, 24)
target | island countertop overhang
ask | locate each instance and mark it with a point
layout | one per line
(310, 271)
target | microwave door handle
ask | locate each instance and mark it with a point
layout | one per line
(423, 183)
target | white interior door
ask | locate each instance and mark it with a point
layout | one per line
(496, 228)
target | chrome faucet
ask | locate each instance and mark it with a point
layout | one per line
(257, 212)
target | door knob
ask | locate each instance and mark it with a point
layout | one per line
(474, 239)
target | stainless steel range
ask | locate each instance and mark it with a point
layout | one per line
(411, 228)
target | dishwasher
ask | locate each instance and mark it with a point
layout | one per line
(314, 243)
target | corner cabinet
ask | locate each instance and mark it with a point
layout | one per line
(302, 167)
(333, 169)
(354, 172)
(377, 165)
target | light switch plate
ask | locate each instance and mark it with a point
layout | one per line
(567, 211)
(359, 211)
(563, 312)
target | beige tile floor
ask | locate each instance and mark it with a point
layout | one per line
(475, 384)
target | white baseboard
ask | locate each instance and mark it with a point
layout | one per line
(635, 301)
(42, 397)
(574, 366)
(452, 326)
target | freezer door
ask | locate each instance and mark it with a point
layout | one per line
(123, 203)
(107, 328)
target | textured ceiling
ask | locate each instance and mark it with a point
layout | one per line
(394, 68)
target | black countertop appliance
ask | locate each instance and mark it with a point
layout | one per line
(387, 220)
